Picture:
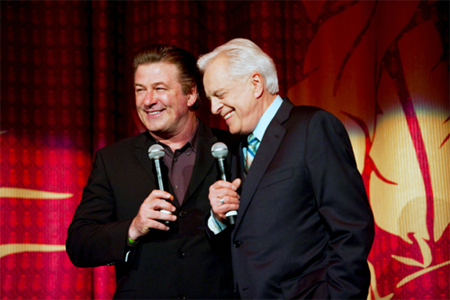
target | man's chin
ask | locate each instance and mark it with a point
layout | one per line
(236, 132)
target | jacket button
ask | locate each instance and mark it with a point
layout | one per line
(181, 254)
(182, 214)
(237, 244)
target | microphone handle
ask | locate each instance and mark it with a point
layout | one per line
(231, 215)
(158, 174)
(222, 169)
(161, 186)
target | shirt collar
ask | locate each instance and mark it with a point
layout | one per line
(192, 143)
(193, 140)
(267, 118)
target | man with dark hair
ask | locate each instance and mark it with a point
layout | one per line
(155, 238)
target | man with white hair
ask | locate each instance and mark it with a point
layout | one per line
(304, 226)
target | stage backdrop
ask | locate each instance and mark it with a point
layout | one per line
(382, 67)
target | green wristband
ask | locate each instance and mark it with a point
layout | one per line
(131, 241)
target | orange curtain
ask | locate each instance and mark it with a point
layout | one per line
(382, 67)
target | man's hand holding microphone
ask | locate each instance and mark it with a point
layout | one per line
(222, 196)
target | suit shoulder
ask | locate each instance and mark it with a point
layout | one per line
(121, 146)
(305, 111)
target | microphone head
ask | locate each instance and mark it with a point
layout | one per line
(219, 150)
(155, 151)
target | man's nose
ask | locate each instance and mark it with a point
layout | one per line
(216, 106)
(150, 99)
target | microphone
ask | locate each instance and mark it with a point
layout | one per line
(155, 152)
(219, 151)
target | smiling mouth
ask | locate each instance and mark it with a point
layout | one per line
(151, 113)
(228, 115)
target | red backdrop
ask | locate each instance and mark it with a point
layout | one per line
(382, 67)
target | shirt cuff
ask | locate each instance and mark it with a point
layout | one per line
(214, 225)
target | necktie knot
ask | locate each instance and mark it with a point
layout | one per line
(252, 147)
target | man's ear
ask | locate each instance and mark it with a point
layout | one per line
(192, 96)
(257, 84)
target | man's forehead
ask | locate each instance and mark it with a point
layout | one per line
(157, 71)
(214, 74)
(213, 85)
(159, 66)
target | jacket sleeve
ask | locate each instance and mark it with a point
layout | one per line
(343, 205)
(95, 237)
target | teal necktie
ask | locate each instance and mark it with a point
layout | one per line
(252, 147)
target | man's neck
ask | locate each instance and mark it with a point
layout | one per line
(270, 99)
(267, 101)
(178, 140)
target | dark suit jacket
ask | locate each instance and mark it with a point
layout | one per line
(304, 227)
(178, 263)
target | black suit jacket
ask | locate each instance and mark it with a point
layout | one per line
(304, 227)
(178, 263)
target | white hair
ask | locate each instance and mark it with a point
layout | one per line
(244, 57)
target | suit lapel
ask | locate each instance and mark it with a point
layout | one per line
(237, 160)
(144, 142)
(141, 152)
(267, 149)
(204, 160)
